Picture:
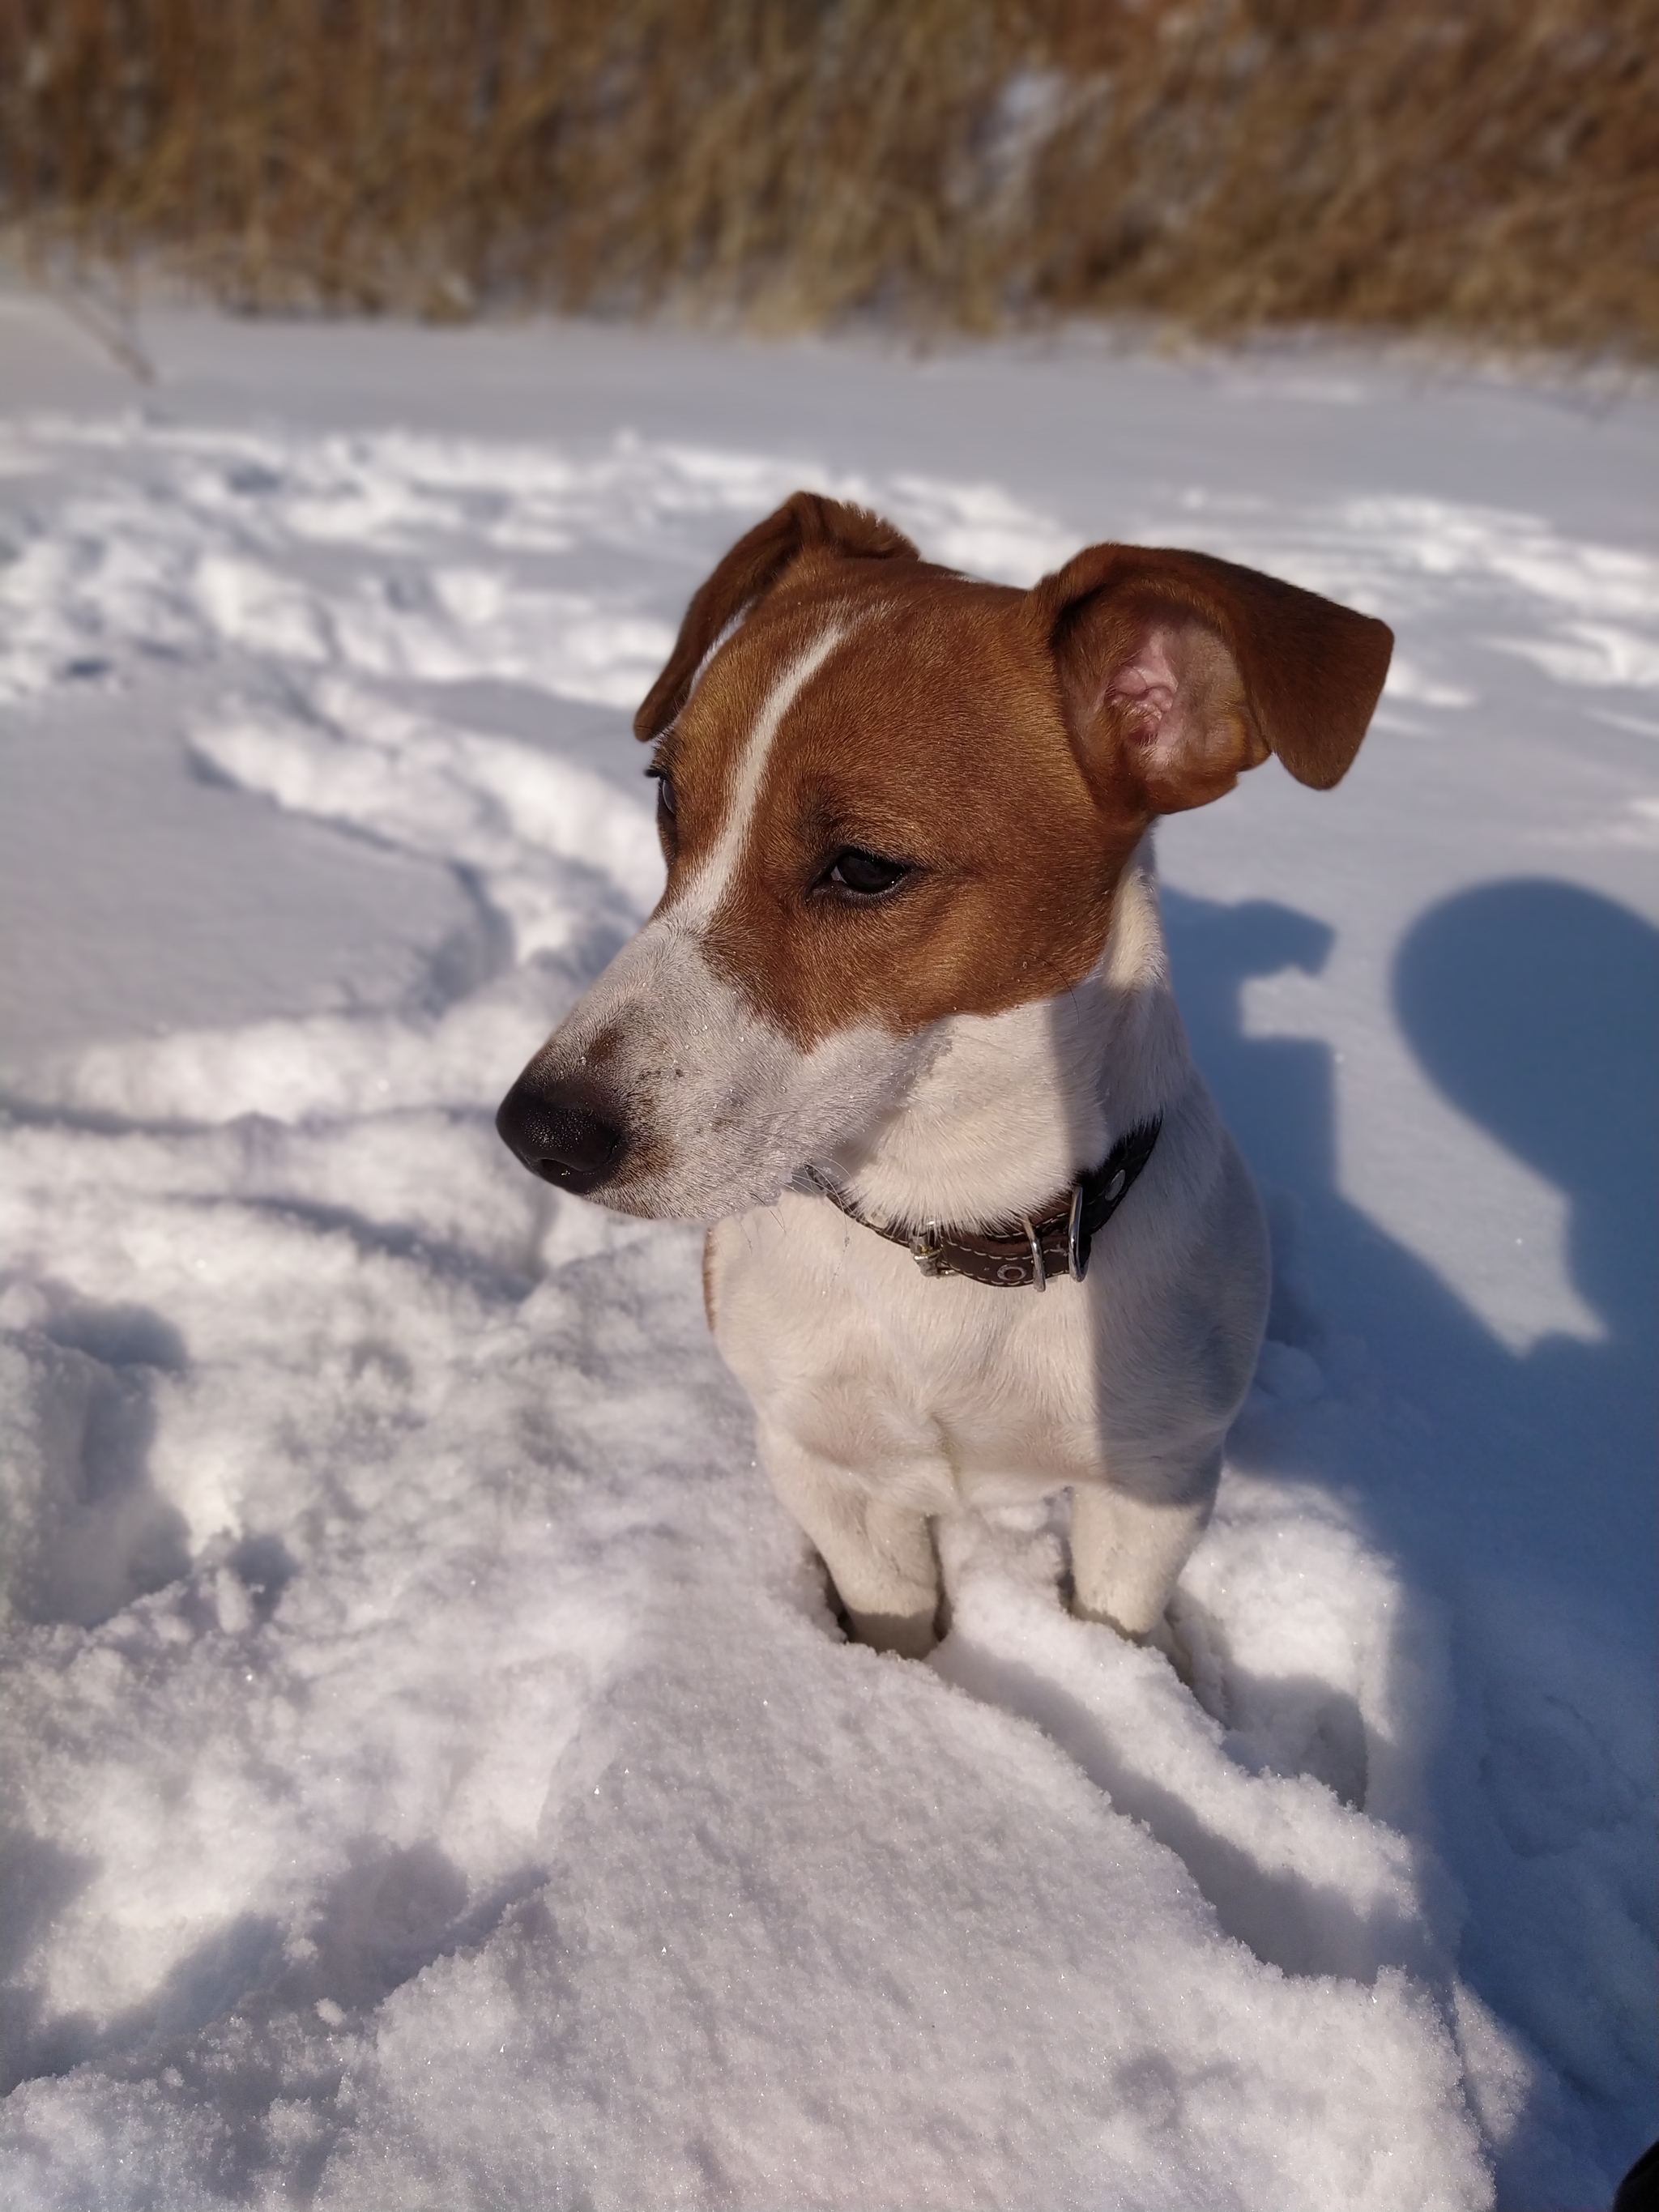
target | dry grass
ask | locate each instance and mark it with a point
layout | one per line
(1483, 168)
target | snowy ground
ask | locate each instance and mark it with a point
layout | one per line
(434, 1778)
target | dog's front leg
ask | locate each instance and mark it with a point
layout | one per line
(1128, 1552)
(880, 1556)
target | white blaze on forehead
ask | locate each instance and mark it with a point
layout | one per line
(704, 892)
(734, 623)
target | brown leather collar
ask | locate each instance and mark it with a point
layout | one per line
(1055, 1243)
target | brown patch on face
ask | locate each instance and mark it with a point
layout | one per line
(807, 530)
(934, 735)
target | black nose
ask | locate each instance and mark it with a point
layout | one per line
(563, 1132)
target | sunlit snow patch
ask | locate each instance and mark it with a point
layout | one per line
(441, 1778)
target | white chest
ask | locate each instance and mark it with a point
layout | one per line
(932, 1392)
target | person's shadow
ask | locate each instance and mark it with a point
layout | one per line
(1535, 1007)
(1517, 1488)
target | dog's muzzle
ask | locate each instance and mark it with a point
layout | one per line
(569, 1134)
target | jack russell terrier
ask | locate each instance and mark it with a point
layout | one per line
(901, 1030)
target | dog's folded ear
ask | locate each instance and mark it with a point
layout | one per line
(1179, 672)
(805, 526)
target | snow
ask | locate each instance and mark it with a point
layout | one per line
(433, 1775)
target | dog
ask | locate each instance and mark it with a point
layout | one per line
(902, 1031)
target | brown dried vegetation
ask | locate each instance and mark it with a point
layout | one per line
(1488, 169)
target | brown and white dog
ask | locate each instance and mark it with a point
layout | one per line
(908, 966)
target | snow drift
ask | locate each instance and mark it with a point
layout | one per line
(434, 1776)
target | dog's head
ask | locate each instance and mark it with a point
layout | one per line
(889, 795)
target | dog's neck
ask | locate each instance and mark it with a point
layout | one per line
(1012, 1108)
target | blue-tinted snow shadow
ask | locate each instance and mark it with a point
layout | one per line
(1535, 1008)
(1532, 1007)
(1495, 1478)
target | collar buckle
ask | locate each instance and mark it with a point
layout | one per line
(1077, 1244)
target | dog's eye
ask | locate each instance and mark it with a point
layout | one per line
(664, 783)
(866, 874)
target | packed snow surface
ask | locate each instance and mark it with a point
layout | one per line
(433, 1775)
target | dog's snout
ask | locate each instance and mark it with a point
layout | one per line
(563, 1132)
